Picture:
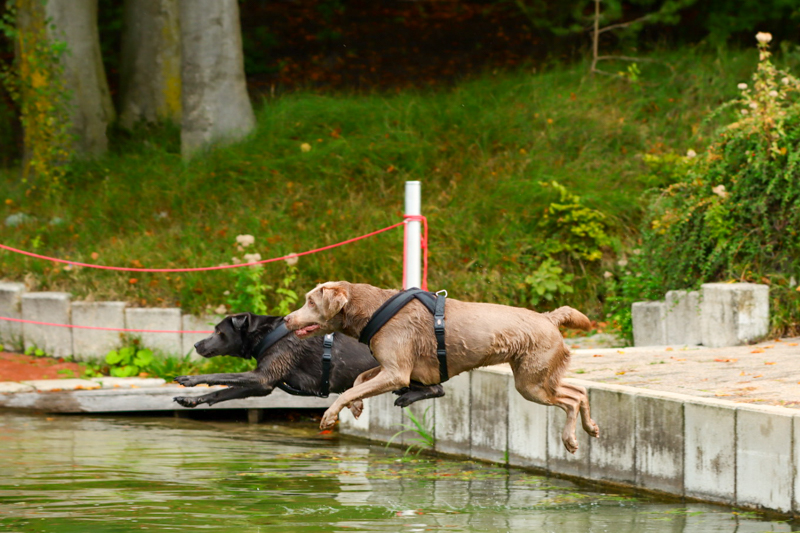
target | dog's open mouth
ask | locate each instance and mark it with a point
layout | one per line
(306, 331)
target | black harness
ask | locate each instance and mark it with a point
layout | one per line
(327, 346)
(434, 303)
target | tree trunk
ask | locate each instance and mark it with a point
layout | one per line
(151, 62)
(216, 107)
(75, 23)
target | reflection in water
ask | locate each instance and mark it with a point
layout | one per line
(76, 474)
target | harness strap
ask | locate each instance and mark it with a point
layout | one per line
(438, 329)
(271, 338)
(435, 304)
(327, 345)
(325, 387)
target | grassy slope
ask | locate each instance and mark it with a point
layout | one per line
(480, 149)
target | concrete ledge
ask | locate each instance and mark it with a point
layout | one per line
(708, 449)
(157, 319)
(94, 343)
(385, 418)
(10, 306)
(452, 412)
(147, 399)
(489, 416)
(53, 307)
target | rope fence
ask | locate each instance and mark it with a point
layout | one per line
(407, 218)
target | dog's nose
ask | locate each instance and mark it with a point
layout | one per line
(197, 345)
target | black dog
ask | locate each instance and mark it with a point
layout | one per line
(290, 364)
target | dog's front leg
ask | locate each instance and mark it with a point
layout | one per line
(357, 407)
(241, 379)
(384, 381)
(224, 395)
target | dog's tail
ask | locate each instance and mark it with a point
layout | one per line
(569, 318)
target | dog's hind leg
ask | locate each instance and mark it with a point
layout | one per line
(529, 386)
(233, 393)
(589, 425)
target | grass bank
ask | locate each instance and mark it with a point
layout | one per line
(486, 151)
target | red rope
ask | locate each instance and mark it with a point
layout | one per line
(200, 269)
(98, 327)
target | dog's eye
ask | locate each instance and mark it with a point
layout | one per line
(311, 303)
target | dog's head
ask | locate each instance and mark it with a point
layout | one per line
(233, 335)
(322, 311)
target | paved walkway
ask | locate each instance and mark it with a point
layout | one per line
(766, 373)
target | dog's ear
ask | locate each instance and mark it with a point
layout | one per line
(334, 297)
(240, 321)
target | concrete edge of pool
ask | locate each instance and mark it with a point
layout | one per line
(674, 444)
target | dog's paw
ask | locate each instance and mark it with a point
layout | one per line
(186, 381)
(186, 401)
(357, 407)
(593, 430)
(328, 420)
(403, 401)
(400, 392)
(571, 444)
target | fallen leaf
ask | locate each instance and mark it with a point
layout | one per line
(759, 376)
(769, 362)
(768, 347)
(668, 350)
(792, 344)
(597, 355)
(725, 360)
(620, 351)
(757, 350)
(742, 374)
(620, 373)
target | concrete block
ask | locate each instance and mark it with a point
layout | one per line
(649, 323)
(196, 323)
(108, 382)
(349, 425)
(796, 458)
(9, 387)
(10, 307)
(612, 456)
(452, 412)
(764, 476)
(53, 307)
(96, 343)
(683, 318)
(709, 450)
(659, 443)
(489, 415)
(733, 313)
(156, 319)
(385, 419)
(559, 460)
(527, 431)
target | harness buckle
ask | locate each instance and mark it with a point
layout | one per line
(442, 292)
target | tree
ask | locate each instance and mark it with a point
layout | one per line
(151, 62)
(74, 22)
(216, 106)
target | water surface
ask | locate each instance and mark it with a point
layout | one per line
(90, 474)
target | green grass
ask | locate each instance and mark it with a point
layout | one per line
(480, 150)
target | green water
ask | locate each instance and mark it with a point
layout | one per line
(88, 474)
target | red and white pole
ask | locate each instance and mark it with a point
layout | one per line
(412, 266)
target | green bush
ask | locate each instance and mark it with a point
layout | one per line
(733, 211)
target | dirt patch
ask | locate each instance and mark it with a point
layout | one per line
(19, 367)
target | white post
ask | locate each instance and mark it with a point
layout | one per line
(412, 269)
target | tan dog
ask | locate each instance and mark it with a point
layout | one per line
(478, 334)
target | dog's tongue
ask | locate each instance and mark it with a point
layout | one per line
(306, 330)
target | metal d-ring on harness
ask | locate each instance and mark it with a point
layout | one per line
(327, 346)
(434, 303)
